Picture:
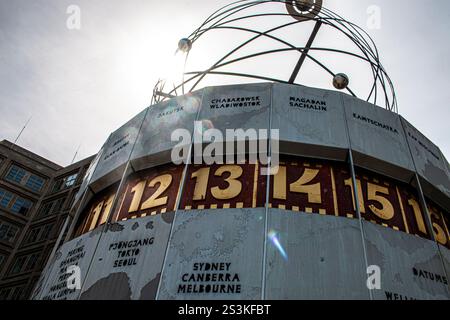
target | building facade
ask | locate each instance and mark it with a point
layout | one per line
(35, 195)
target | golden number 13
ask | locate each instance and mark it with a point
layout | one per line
(155, 200)
(234, 185)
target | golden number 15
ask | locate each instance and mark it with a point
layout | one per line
(374, 193)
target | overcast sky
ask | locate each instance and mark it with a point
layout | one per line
(80, 85)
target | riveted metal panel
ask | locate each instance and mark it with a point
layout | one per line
(411, 267)
(377, 139)
(323, 259)
(311, 121)
(215, 250)
(116, 154)
(78, 252)
(237, 107)
(154, 144)
(128, 262)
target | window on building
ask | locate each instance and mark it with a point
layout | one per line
(21, 206)
(51, 207)
(5, 198)
(58, 205)
(15, 174)
(35, 183)
(25, 263)
(33, 235)
(45, 257)
(46, 232)
(8, 232)
(65, 182)
(45, 209)
(70, 180)
(31, 261)
(14, 203)
(23, 177)
(17, 293)
(4, 293)
(18, 265)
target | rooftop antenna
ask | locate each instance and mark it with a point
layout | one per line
(21, 131)
(76, 153)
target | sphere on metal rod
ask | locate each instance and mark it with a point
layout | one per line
(185, 45)
(341, 81)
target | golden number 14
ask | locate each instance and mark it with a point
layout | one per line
(300, 186)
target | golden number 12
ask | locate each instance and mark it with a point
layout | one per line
(154, 201)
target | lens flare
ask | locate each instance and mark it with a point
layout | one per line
(190, 103)
(206, 125)
(273, 236)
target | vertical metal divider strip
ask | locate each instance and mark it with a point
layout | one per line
(180, 193)
(423, 203)
(355, 195)
(83, 198)
(104, 228)
(266, 222)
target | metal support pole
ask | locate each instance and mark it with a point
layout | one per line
(358, 212)
(305, 52)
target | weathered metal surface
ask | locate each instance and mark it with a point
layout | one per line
(128, 262)
(87, 177)
(215, 254)
(323, 258)
(78, 252)
(411, 267)
(237, 107)
(445, 254)
(377, 139)
(311, 121)
(154, 144)
(323, 246)
(116, 154)
(430, 164)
